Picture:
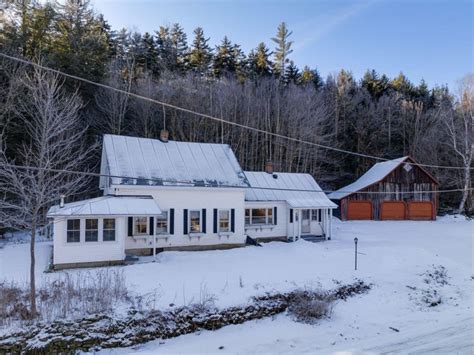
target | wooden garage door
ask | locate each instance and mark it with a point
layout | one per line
(359, 210)
(393, 210)
(420, 210)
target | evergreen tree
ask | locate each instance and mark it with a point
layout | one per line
(164, 47)
(179, 47)
(375, 85)
(292, 74)
(402, 85)
(259, 61)
(80, 43)
(282, 50)
(150, 53)
(311, 76)
(200, 55)
(228, 58)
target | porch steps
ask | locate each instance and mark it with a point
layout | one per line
(310, 238)
(130, 259)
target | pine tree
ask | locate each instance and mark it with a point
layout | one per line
(282, 50)
(150, 53)
(259, 61)
(311, 76)
(402, 85)
(179, 47)
(164, 47)
(228, 58)
(375, 85)
(292, 74)
(200, 55)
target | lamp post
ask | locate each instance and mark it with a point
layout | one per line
(355, 244)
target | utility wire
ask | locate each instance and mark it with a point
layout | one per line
(236, 124)
(183, 183)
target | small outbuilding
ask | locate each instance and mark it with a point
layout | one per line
(391, 190)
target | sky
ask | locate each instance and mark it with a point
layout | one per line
(424, 39)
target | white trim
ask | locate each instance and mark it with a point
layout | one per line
(190, 232)
(228, 210)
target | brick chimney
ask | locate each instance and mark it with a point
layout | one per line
(164, 135)
(269, 167)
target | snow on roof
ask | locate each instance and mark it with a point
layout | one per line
(290, 187)
(172, 163)
(108, 205)
(372, 176)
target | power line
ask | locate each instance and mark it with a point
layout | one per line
(184, 183)
(236, 124)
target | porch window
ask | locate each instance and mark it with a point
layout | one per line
(314, 215)
(224, 221)
(92, 230)
(162, 223)
(140, 225)
(195, 221)
(73, 231)
(109, 230)
(256, 216)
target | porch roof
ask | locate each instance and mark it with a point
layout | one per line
(108, 205)
(298, 190)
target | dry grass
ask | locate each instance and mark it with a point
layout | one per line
(66, 296)
(307, 306)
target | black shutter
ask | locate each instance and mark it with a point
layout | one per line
(171, 221)
(185, 221)
(130, 226)
(152, 225)
(215, 220)
(232, 220)
(275, 215)
(291, 215)
(204, 220)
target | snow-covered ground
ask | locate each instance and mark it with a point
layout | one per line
(393, 255)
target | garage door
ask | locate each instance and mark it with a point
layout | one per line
(359, 210)
(420, 210)
(393, 210)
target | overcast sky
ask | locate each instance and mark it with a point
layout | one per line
(430, 39)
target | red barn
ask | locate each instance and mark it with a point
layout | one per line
(392, 190)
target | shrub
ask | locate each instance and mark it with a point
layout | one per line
(307, 306)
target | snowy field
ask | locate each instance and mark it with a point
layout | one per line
(394, 256)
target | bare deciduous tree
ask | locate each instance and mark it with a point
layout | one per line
(53, 143)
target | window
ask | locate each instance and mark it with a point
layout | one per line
(73, 230)
(195, 221)
(162, 223)
(259, 216)
(140, 225)
(314, 215)
(92, 230)
(109, 230)
(224, 221)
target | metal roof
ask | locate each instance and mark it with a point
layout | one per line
(376, 173)
(289, 187)
(172, 163)
(108, 205)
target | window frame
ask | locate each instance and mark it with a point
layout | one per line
(135, 224)
(157, 219)
(314, 215)
(219, 230)
(96, 230)
(190, 225)
(109, 229)
(269, 218)
(73, 231)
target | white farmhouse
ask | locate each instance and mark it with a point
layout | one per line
(168, 195)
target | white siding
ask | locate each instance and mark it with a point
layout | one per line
(84, 252)
(191, 199)
(269, 231)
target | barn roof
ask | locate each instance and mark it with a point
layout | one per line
(108, 205)
(292, 188)
(153, 162)
(375, 174)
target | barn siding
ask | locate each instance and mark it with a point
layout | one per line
(395, 187)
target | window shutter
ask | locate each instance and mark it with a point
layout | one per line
(130, 226)
(215, 220)
(185, 221)
(275, 215)
(152, 225)
(232, 220)
(171, 221)
(204, 220)
(291, 215)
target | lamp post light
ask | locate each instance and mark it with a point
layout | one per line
(355, 244)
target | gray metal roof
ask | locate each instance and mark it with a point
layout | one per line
(108, 205)
(171, 164)
(292, 188)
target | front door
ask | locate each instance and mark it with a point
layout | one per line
(305, 222)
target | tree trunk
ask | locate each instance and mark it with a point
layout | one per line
(467, 186)
(32, 271)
